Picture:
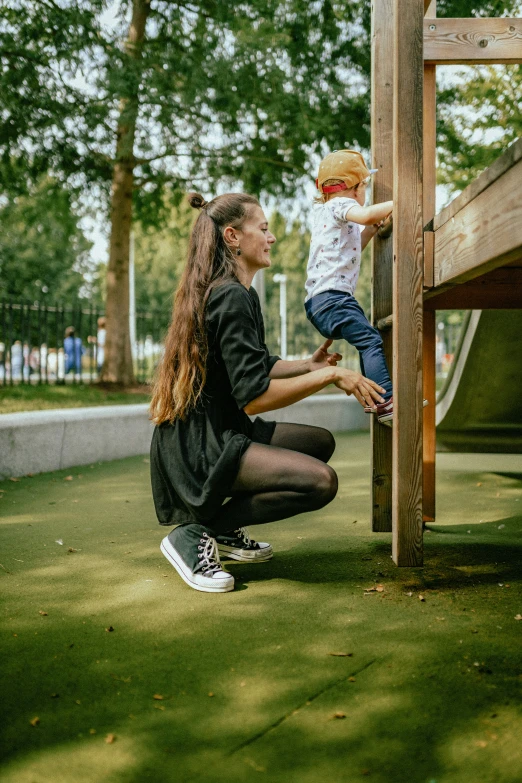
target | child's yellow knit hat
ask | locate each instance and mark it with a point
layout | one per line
(346, 165)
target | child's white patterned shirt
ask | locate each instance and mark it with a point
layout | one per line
(335, 250)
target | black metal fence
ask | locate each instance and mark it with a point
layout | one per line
(36, 344)
(64, 343)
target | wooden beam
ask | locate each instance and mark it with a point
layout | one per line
(382, 249)
(429, 432)
(499, 167)
(472, 41)
(407, 283)
(484, 234)
(500, 289)
(429, 183)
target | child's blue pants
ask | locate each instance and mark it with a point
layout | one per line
(337, 315)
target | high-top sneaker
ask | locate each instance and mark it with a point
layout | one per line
(193, 553)
(237, 545)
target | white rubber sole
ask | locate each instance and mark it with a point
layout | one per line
(245, 555)
(191, 579)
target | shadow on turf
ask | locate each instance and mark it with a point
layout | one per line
(433, 709)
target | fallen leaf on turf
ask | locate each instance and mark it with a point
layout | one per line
(92, 731)
(481, 744)
(210, 693)
(14, 479)
(110, 629)
(55, 695)
(68, 478)
(365, 772)
(34, 721)
(341, 654)
(518, 617)
(71, 549)
(159, 707)
(352, 679)
(109, 739)
(376, 589)
(479, 483)
(44, 614)
(338, 715)
(158, 697)
(77, 701)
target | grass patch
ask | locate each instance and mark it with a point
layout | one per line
(428, 690)
(16, 399)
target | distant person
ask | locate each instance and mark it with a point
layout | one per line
(52, 363)
(100, 343)
(74, 351)
(16, 360)
(26, 369)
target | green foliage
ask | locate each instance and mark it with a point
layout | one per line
(160, 256)
(246, 95)
(289, 256)
(43, 252)
(479, 117)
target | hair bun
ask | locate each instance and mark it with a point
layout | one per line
(196, 200)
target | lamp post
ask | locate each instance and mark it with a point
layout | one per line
(281, 279)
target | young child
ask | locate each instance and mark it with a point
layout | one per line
(335, 260)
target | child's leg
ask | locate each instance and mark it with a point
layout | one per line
(358, 331)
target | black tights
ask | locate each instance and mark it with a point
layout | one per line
(278, 481)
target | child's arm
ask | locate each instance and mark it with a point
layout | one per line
(368, 216)
(368, 234)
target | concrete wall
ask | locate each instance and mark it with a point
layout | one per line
(42, 441)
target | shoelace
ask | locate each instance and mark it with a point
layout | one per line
(209, 556)
(242, 533)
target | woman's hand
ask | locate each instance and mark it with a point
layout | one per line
(322, 358)
(364, 390)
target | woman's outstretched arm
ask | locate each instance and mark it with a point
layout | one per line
(321, 358)
(282, 392)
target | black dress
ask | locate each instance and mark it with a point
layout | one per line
(195, 461)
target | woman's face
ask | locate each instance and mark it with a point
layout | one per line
(255, 241)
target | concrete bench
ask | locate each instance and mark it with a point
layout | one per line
(41, 441)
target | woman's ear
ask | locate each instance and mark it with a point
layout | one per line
(231, 236)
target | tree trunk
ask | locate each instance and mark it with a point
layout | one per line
(117, 366)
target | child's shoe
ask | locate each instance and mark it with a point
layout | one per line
(384, 411)
(193, 553)
(237, 545)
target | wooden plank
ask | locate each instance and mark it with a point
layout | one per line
(499, 167)
(429, 248)
(407, 283)
(500, 289)
(472, 41)
(429, 431)
(382, 249)
(485, 234)
(429, 184)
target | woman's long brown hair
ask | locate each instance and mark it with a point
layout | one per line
(181, 374)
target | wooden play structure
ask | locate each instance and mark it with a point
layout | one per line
(468, 256)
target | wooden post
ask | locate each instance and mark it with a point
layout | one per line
(429, 183)
(407, 283)
(382, 249)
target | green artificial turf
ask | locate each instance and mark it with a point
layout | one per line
(16, 399)
(246, 686)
